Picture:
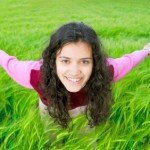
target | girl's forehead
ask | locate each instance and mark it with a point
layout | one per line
(78, 49)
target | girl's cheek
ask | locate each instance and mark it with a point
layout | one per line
(61, 69)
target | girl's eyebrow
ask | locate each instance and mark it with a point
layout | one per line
(70, 58)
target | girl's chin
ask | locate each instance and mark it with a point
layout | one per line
(73, 90)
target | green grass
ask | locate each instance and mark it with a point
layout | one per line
(123, 26)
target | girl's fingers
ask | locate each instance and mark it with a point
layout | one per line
(147, 47)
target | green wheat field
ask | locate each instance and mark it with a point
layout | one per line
(123, 27)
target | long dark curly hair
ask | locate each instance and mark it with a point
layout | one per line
(98, 87)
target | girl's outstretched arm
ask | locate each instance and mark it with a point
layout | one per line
(18, 70)
(121, 66)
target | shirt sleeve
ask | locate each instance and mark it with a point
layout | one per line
(123, 65)
(19, 71)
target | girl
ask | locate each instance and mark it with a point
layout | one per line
(74, 75)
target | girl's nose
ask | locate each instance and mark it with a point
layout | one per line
(75, 70)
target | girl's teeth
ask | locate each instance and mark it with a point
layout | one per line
(73, 80)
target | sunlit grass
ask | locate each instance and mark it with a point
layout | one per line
(123, 26)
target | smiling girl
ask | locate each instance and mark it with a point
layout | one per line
(74, 75)
(74, 65)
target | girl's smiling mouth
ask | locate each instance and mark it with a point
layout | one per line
(74, 80)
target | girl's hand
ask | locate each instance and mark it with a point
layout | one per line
(147, 47)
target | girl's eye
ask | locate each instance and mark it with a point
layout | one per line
(85, 62)
(65, 61)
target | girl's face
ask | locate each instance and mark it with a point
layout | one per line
(74, 63)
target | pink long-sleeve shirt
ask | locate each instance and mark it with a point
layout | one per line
(21, 71)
